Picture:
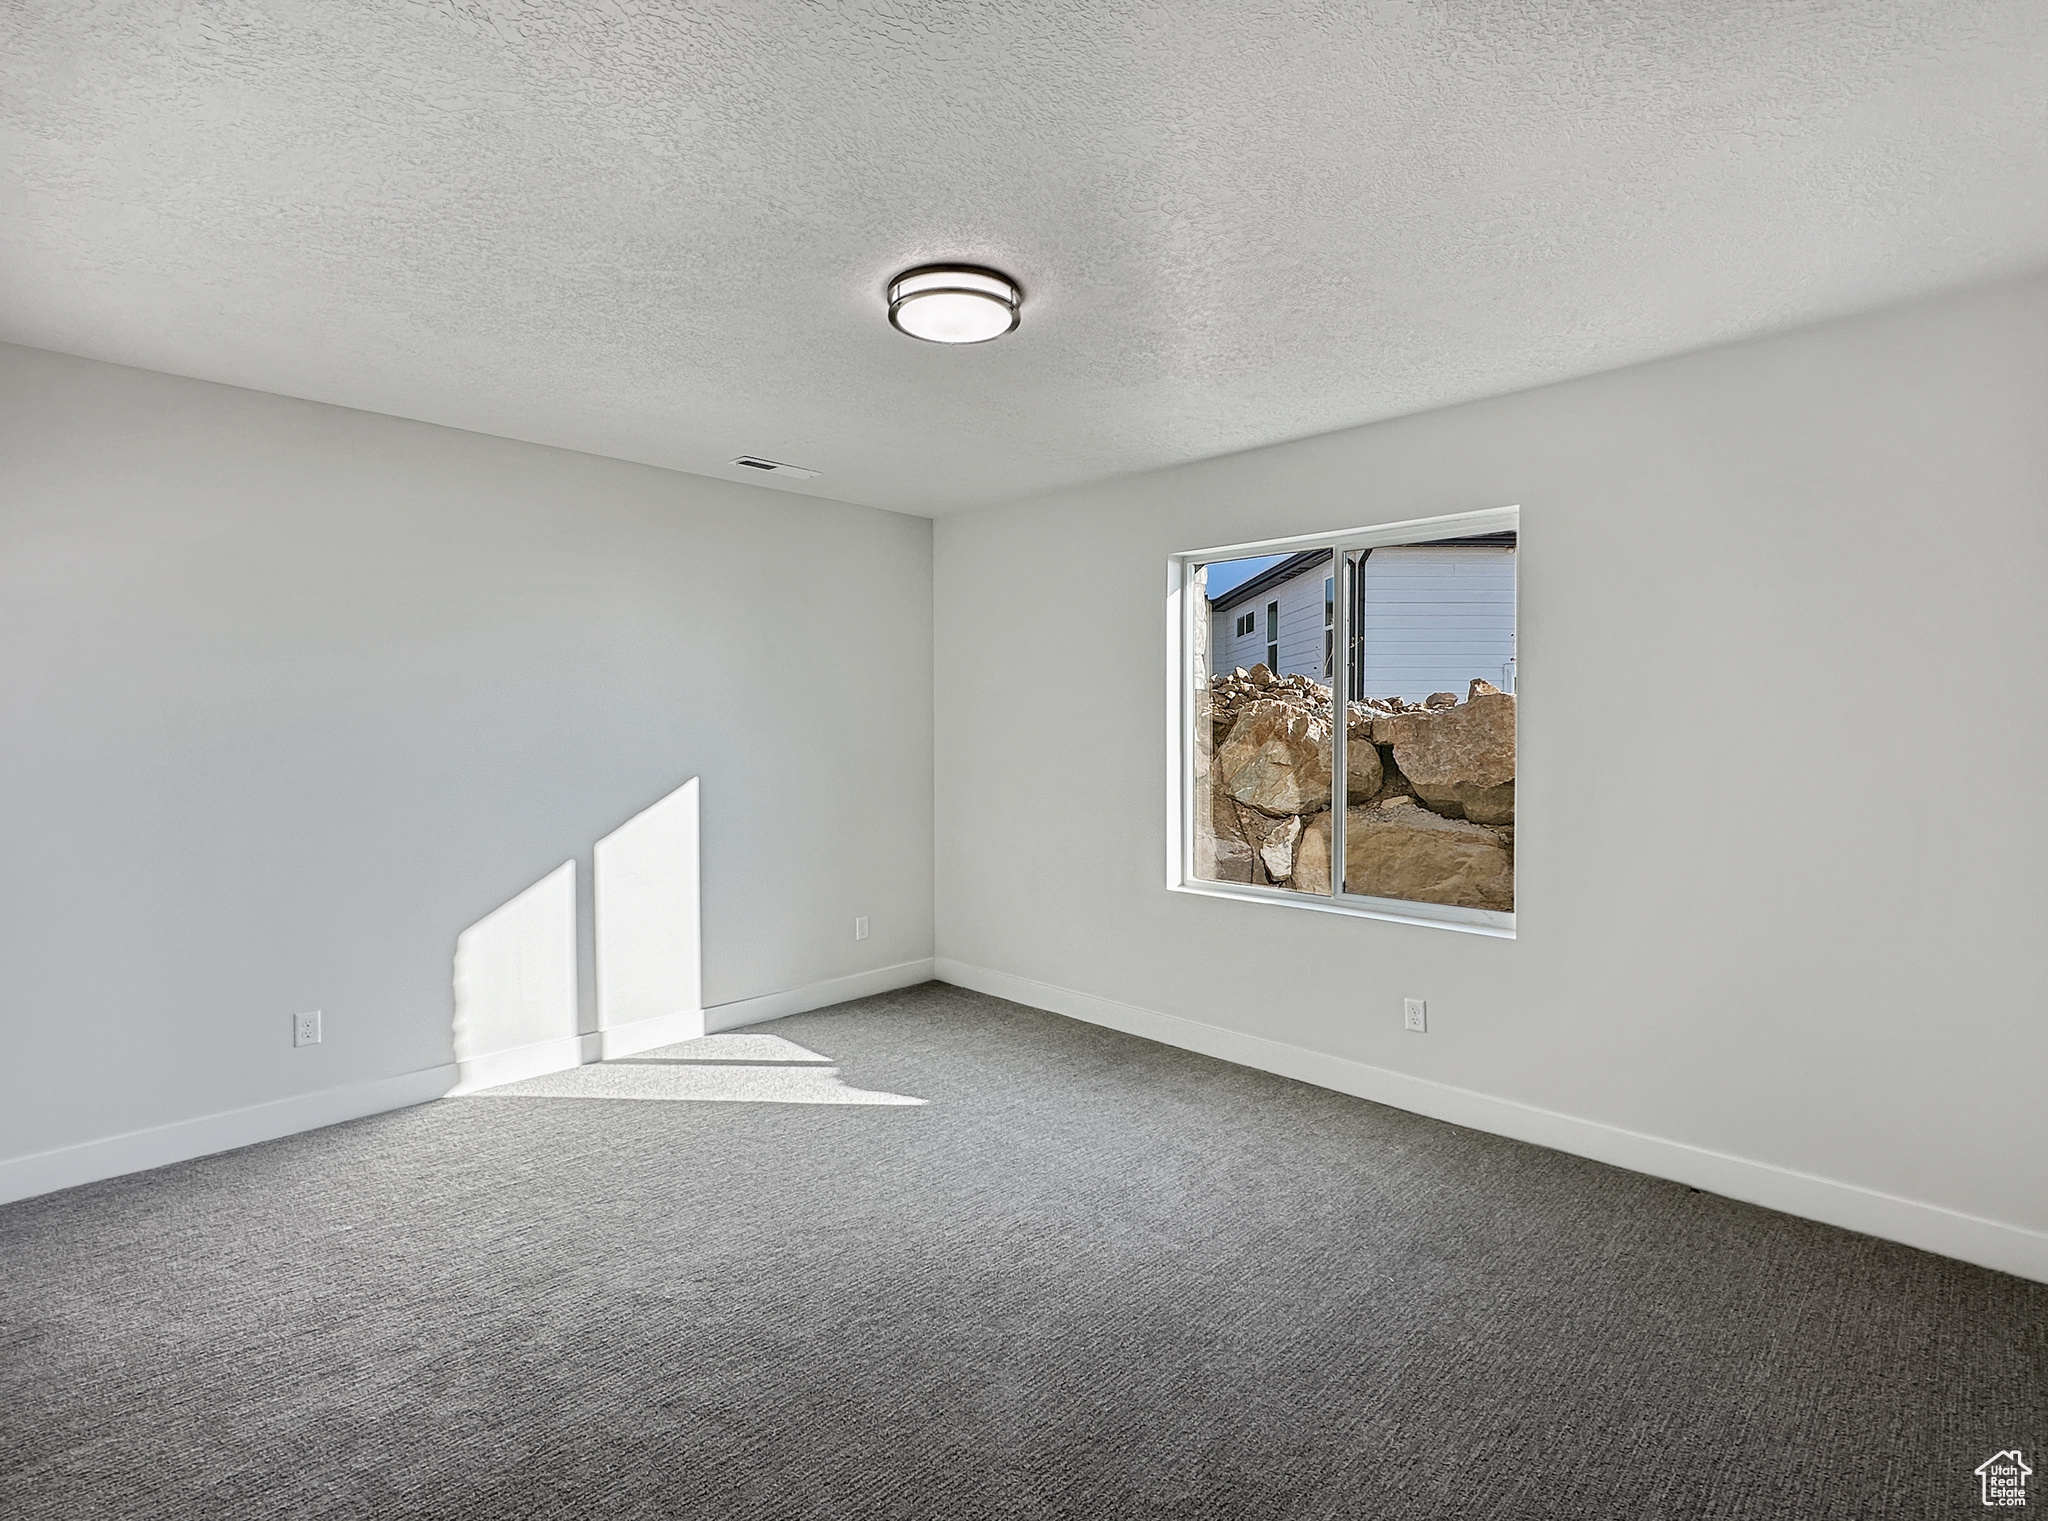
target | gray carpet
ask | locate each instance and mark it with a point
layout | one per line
(1088, 1278)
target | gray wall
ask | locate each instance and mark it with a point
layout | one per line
(295, 694)
(1781, 833)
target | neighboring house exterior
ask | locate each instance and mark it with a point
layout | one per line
(1428, 618)
(1279, 614)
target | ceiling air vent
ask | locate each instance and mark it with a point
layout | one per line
(775, 467)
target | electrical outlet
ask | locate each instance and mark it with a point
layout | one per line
(1415, 1015)
(306, 1029)
(860, 928)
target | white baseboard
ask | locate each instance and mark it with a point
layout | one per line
(522, 1062)
(817, 995)
(46, 1171)
(637, 1035)
(1972, 1238)
(87, 1162)
(687, 1024)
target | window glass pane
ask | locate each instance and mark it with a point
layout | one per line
(1262, 743)
(1431, 722)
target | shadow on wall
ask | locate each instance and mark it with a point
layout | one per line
(516, 1013)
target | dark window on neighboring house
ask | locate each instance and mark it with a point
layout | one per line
(1329, 626)
(1273, 637)
(1244, 624)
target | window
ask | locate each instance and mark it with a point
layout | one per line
(1405, 806)
(1244, 625)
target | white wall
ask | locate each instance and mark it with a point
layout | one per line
(294, 695)
(1780, 891)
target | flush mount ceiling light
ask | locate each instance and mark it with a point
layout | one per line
(954, 303)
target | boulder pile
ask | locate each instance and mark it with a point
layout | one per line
(1429, 790)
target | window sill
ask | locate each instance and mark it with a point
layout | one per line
(1468, 921)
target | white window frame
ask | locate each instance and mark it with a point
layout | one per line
(1183, 607)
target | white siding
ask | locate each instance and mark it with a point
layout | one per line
(1434, 618)
(1232, 650)
(1301, 627)
(1437, 617)
(1301, 623)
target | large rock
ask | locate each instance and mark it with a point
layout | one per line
(1412, 854)
(1277, 839)
(1213, 720)
(1363, 773)
(1222, 853)
(1461, 760)
(1312, 855)
(1277, 759)
(1422, 857)
(1221, 857)
(1264, 761)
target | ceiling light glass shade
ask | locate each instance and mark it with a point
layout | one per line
(954, 303)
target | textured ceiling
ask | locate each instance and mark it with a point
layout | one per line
(661, 231)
